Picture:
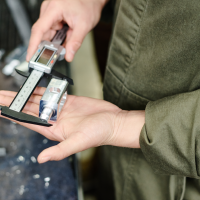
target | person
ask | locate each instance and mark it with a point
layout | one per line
(148, 124)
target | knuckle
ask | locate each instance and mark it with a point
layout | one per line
(43, 5)
(53, 4)
(37, 28)
(34, 28)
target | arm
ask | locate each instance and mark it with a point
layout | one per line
(169, 139)
(83, 123)
(80, 15)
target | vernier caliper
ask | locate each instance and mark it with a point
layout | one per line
(41, 65)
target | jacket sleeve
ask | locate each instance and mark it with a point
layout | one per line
(170, 138)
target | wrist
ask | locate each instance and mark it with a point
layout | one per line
(99, 5)
(127, 128)
(103, 2)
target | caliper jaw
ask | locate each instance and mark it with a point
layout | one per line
(22, 117)
(53, 74)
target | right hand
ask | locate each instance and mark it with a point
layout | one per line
(80, 15)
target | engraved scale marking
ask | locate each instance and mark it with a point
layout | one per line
(25, 92)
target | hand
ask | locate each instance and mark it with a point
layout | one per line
(80, 15)
(83, 123)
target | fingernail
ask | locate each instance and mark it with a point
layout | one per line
(70, 55)
(45, 159)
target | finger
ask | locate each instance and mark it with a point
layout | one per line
(75, 40)
(5, 100)
(30, 107)
(39, 91)
(34, 98)
(43, 7)
(57, 26)
(8, 93)
(77, 142)
(49, 35)
(44, 24)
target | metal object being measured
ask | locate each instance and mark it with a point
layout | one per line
(53, 100)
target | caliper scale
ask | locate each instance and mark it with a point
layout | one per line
(41, 65)
(26, 91)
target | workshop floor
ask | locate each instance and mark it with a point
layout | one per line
(87, 82)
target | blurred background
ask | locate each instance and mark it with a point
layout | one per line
(21, 177)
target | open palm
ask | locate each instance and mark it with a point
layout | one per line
(83, 123)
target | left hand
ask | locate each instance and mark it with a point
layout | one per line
(83, 123)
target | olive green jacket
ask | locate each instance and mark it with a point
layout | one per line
(154, 64)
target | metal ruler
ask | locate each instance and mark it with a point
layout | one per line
(26, 90)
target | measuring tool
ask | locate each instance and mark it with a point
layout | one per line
(41, 65)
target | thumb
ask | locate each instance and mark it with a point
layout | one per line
(75, 40)
(77, 142)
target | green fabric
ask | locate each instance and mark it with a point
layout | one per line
(171, 135)
(154, 64)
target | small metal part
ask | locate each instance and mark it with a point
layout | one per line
(19, 80)
(21, 190)
(53, 96)
(47, 179)
(19, 53)
(46, 184)
(45, 141)
(46, 113)
(9, 68)
(36, 176)
(23, 66)
(2, 152)
(33, 159)
(14, 59)
(20, 159)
